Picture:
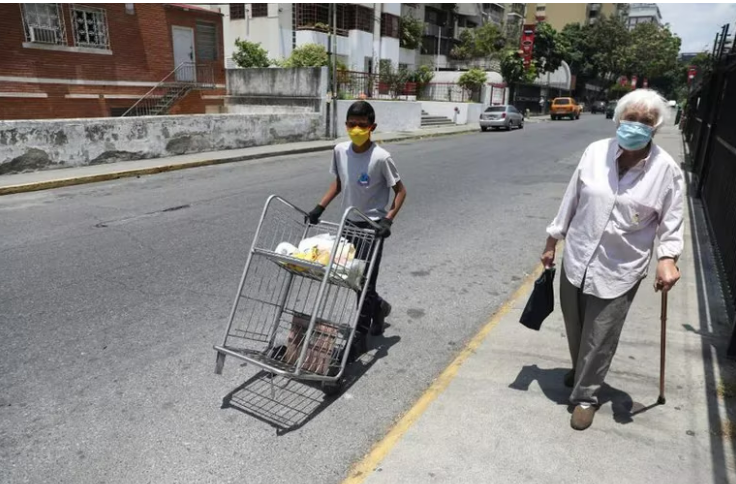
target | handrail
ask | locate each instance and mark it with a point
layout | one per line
(199, 75)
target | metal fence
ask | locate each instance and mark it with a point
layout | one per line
(448, 91)
(365, 85)
(709, 130)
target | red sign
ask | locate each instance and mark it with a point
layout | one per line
(692, 71)
(645, 83)
(527, 44)
(623, 80)
(633, 81)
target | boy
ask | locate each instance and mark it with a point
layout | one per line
(365, 174)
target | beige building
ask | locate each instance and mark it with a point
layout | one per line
(560, 14)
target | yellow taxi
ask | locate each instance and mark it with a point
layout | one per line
(564, 107)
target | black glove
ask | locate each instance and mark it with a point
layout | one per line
(384, 228)
(314, 216)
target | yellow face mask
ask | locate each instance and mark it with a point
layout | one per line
(359, 136)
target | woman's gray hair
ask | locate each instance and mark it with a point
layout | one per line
(648, 98)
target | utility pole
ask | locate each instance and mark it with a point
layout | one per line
(331, 93)
(335, 87)
(439, 46)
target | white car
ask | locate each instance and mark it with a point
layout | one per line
(505, 116)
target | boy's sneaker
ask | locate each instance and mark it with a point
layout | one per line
(377, 327)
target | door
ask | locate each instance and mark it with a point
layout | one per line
(183, 40)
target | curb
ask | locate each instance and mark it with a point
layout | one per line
(82, 180)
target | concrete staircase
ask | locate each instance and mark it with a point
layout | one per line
(435, 121)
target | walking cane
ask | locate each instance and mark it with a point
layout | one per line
(662, 347)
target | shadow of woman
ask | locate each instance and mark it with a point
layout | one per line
(550, 381)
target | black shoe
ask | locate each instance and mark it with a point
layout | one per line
(379, 321)
(570, 379)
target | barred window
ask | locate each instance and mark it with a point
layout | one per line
(390, 26)
(43, 23)
(237, 11)
(206, 41)
(90, 27)
(316, 16)
(259, 10)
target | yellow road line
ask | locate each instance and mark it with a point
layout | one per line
(380, 450)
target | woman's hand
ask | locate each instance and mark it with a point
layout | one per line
(667, 275)
(548, 256)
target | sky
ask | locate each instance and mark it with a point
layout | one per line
(697, 23)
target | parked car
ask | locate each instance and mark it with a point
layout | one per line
(610, 109)
(505, 116)
(598, 107)
(564, 107)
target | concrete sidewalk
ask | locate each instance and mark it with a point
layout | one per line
(42, 180)
(499, 413)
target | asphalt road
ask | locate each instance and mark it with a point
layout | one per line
(111, 302)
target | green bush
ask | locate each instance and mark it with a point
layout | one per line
(308, 55)
(412, 31)
(250, 54)
(473, 80)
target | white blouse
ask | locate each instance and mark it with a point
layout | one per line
(609, 225)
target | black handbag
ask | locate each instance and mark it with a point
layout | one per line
(541, 302)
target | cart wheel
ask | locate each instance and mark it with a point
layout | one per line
(219, 363)
(332, 388)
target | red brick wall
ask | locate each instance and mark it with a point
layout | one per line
(142, 51)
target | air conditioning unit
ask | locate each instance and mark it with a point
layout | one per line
(43, 35)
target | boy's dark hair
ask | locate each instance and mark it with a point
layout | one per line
(362, 109)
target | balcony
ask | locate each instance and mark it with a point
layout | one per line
(518, 9)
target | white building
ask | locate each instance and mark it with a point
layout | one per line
(366, 32)
(640, 13)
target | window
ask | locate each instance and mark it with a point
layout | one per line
(435, 17)
(541, 9)
(360, 18)
(90, 27)
(237, 11)
(206, 41)
(316, 16)
(390, 26)
(43, 23)
(258, 10)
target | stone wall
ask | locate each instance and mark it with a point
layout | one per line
(46, 144)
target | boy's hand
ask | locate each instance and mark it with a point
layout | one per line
(314, 216)
(384, 228)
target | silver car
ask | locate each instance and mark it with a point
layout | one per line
(505, 116)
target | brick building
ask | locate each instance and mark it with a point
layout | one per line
(92, 60)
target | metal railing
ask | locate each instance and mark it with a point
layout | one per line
(448, 91)
(365, 85)
(170, 89)
(709, 130)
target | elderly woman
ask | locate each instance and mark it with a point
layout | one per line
(625, 192)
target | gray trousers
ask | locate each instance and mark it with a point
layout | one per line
(593, 328)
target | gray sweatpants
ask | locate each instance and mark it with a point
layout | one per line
(593, 329)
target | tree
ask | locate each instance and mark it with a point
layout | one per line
(308, 55)
(412, 32)
(394, 79)
(479, 43)
(250, 54)
(653, 51)
(473, 80)
(550, 48)
(514, 72)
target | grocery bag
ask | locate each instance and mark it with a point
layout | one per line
(541, 302)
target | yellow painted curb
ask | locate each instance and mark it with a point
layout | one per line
(380, 450)
(81, 180)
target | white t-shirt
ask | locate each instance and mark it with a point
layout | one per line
(366, 178)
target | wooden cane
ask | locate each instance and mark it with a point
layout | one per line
(662, 347)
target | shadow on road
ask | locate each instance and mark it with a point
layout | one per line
(551, 383)
(288, 405)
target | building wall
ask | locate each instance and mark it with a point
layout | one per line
(50, 144)
(65, 82)
(560, 14)
(391, 116)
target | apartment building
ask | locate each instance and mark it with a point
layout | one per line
(560, 14)
(641, 13)
(366, 32)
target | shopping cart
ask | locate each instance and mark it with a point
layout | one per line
(295, 315)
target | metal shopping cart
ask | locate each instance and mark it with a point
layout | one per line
(295, 314)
